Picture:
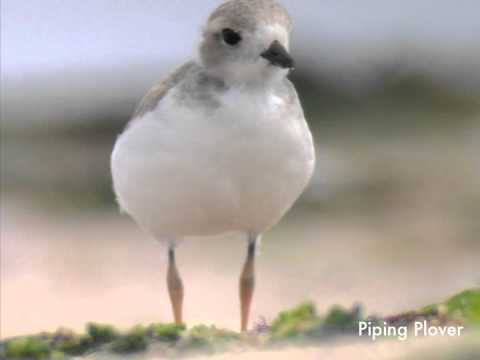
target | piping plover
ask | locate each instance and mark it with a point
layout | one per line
(222, 144)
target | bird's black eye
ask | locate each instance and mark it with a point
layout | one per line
(231, 37)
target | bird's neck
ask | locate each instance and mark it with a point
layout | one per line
(247, 78)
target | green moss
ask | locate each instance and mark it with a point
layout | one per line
(101, 333)
(76, 345)
(302, 312)
(197, 337)
(342, 320)
(303, 323)
(466, 305)
(30, 347)
(429, 309)
(135, 340)
(295, 322)
(463, 307)
(166, 332)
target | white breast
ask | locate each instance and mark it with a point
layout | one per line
(181, 171)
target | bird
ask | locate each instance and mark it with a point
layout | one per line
(221, 145)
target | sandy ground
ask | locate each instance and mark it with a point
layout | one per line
(102, 268)
(382, 350)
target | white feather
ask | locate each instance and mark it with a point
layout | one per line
(180, 171)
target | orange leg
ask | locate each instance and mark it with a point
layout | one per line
(247, 284)
(175, 287)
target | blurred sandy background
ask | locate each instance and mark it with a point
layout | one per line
(390, 220)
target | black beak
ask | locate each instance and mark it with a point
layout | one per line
(277, 55)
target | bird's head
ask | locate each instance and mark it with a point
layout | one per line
(247, 41)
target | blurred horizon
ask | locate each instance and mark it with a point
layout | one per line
(96, 59)
(73, 73)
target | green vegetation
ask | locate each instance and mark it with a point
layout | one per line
(72, 344)
(29, 347)
(301, 323)
(100, 333)
(295, 323)
(135, 340)
(166, 332)
(463, 307)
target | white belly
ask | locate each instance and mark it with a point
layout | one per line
(180, 172)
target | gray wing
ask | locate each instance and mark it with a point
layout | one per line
(158, 91)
